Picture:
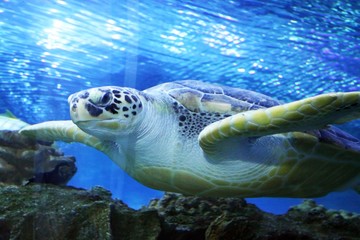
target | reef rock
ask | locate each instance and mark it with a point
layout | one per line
(24, 160)
(233, 218)
(41, 211)
(50, 212)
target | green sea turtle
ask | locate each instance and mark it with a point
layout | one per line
(203, 139)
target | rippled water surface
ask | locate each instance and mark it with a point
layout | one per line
(286, 49)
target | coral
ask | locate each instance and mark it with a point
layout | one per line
(233, 218)
(324, 220)
(42, 211)
(24, 160)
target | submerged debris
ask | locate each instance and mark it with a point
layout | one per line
(40, 211)
(24, 160)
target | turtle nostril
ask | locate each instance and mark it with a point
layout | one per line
(74, 107)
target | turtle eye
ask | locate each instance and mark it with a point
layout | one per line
(106, 98)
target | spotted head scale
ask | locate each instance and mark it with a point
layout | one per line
(105, 108)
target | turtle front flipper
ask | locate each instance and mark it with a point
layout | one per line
(65, 131)
(307, 114)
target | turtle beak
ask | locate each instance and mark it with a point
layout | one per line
(73, 100)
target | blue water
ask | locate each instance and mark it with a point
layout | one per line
(285, 49)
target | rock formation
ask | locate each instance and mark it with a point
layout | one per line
(45, 211)
(24, 160)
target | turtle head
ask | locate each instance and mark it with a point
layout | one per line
(106, 111)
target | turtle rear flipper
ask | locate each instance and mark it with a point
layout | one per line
(307, 114)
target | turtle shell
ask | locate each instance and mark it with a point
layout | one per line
(199, 96)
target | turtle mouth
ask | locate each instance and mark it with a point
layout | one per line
(111, 124)
(79, 121)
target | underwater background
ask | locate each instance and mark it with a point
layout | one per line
(285, 49)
